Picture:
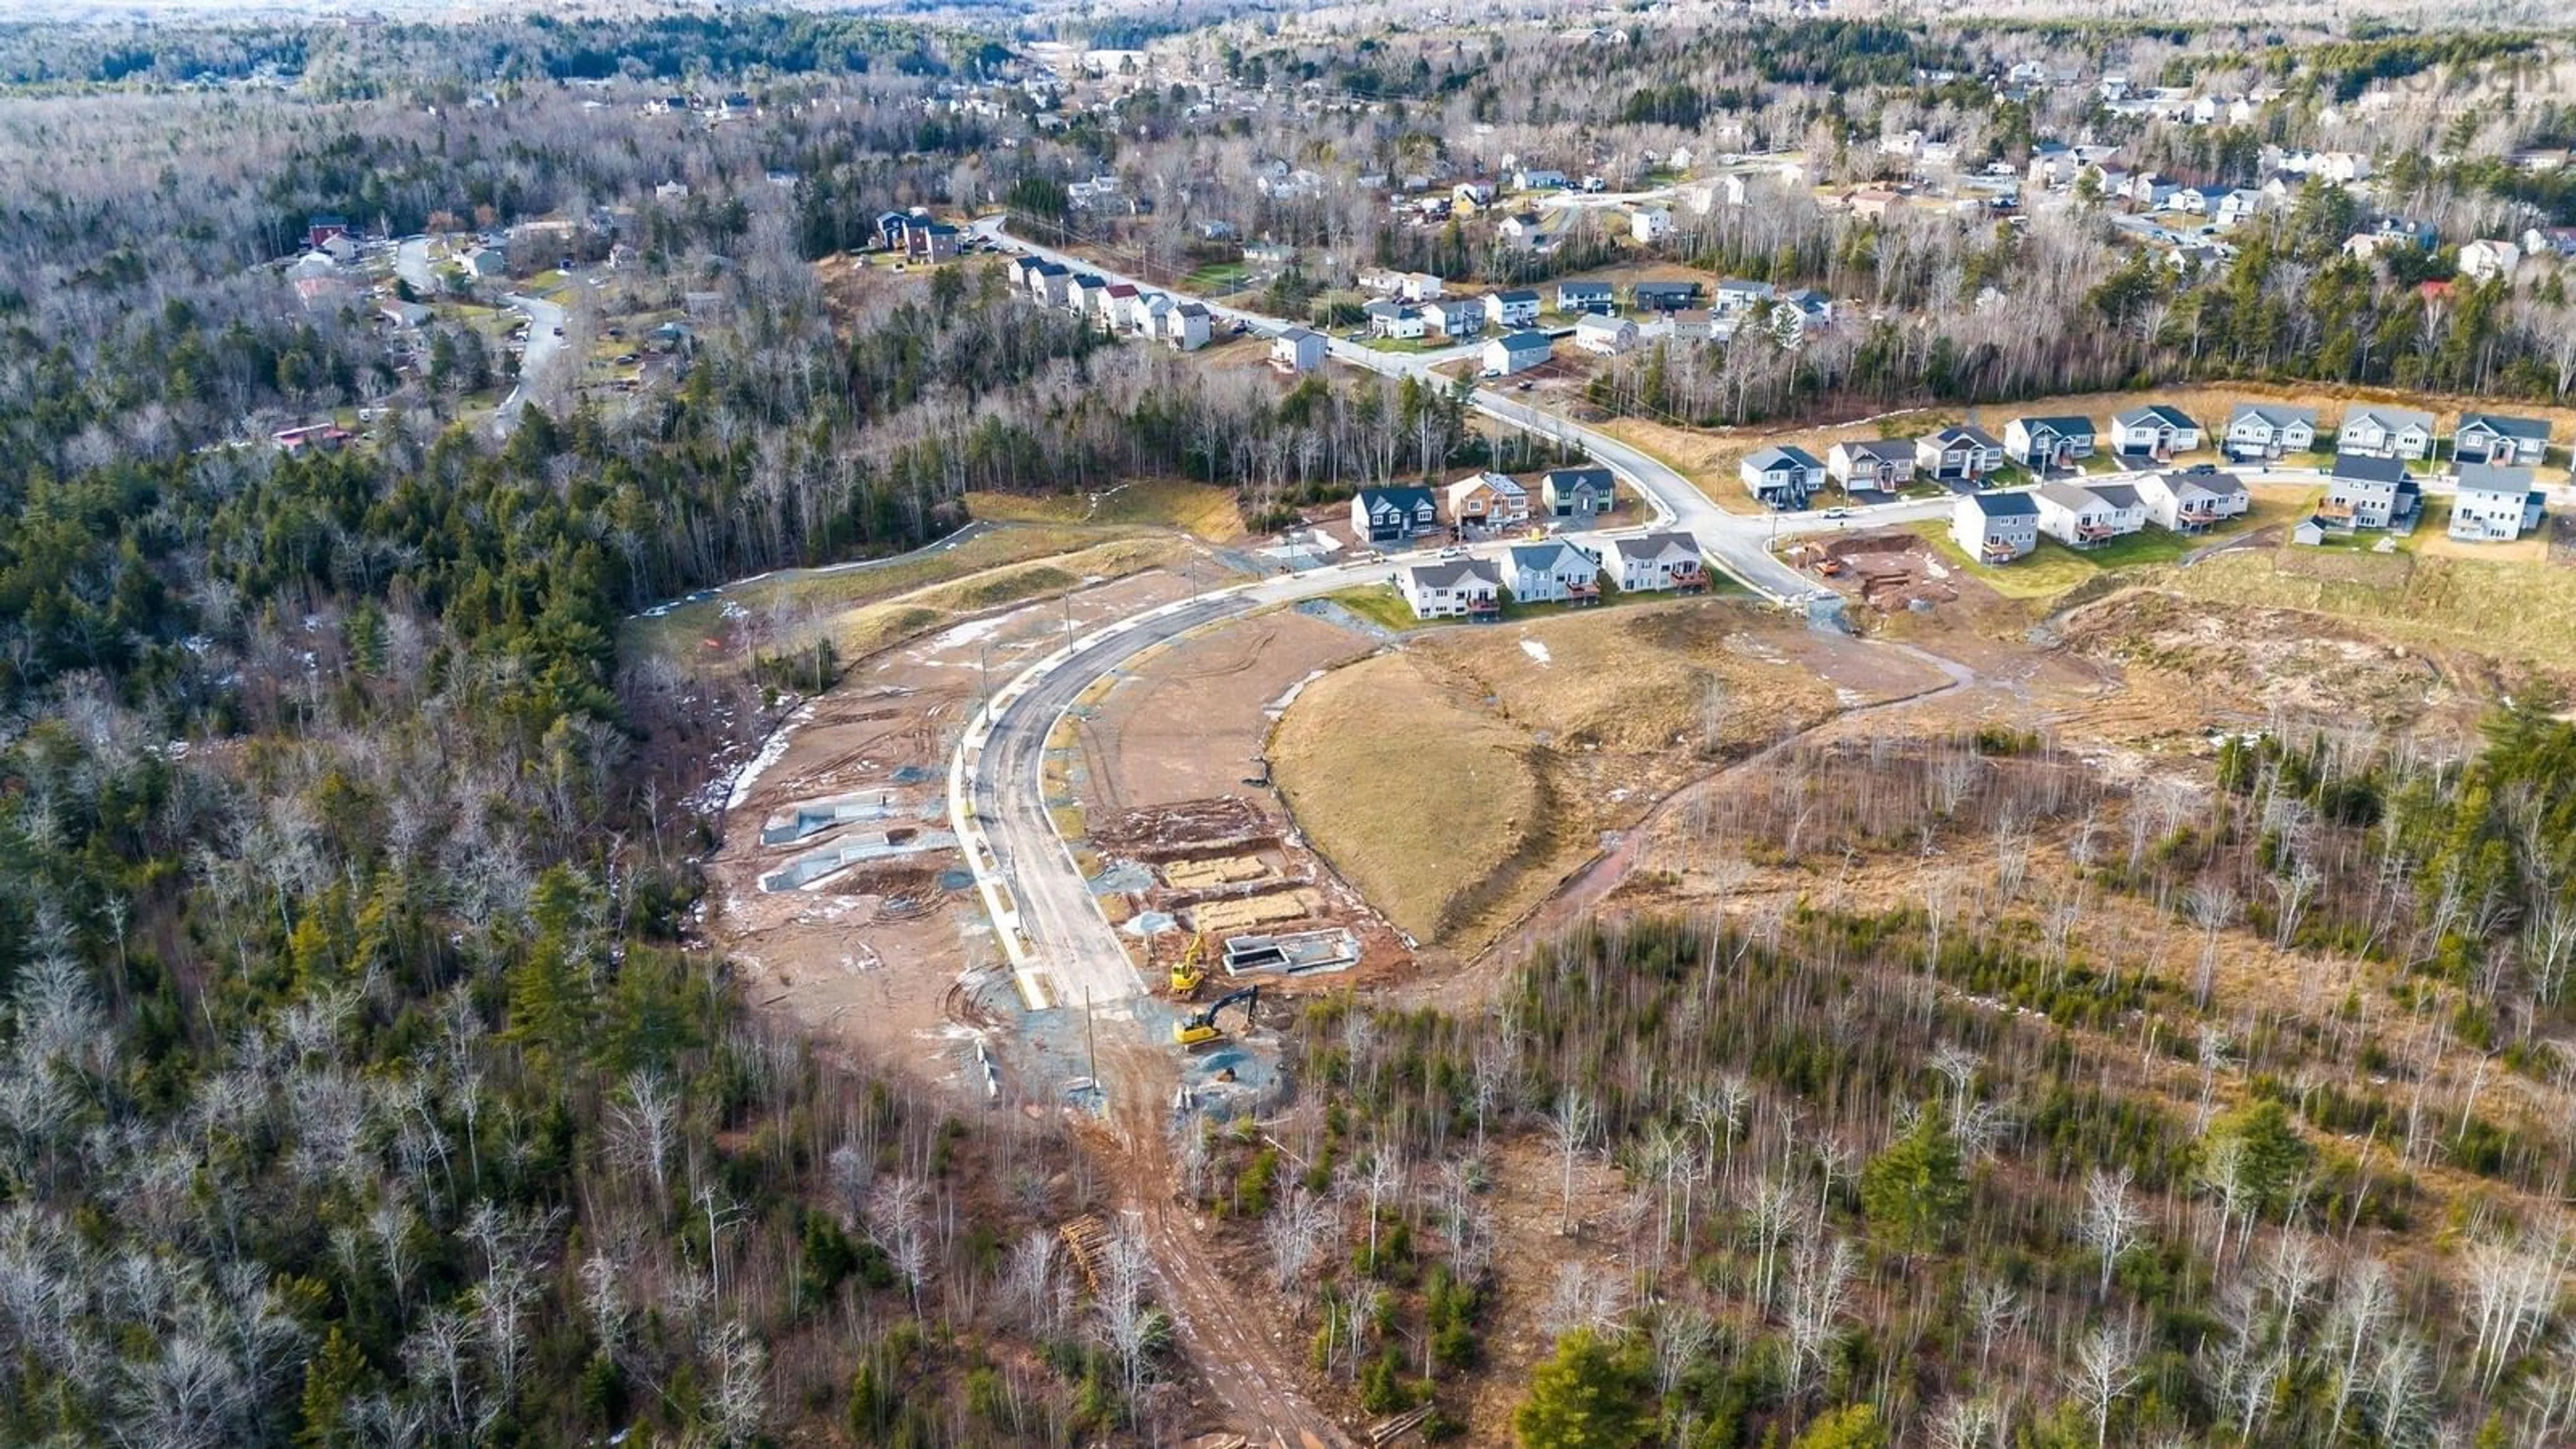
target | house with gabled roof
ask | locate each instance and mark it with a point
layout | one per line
(1604, 336)
(1575, 297)
(1995, 528)
(2386, 432)
(2193, 502)
(1658, 563)
(2041, 444)
(2494, 504)
(2505, 441)
(2269, 430)
(1488, 500)
(1453, 588)
(1961, 454)
(1392, 515)
(1663, 296)
(2364, 490)
(1298, 350)
(1455, 317)
(2088, 515)
(1512, 307)
(1516, 352)
(1882, 464)
(1551, 572)
(1577, 492)
(1781, 477)
(2155, 431)
(1185, 326)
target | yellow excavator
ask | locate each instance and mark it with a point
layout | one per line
(1201, 1029)
(1190, 972)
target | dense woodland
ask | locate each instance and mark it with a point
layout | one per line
(2015, 1163)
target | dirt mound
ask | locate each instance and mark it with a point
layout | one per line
(1158, 832)
(2261, 660)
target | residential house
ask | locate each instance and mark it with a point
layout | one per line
(2494, 504)
(2152, 189)
(1781, 477)
(1551, 572)
(1663, 296)
(1962, 454)
(1649, 225)
(1488, 500)
(1392, 515)
(1736, 296)
(1516, 352)
(1453, 588)
(322, 227)
(1297, 350)
(1050, 283)
(2495, 438)
(2088, 516)
(2483, 260)
(320, 437)
(1802, 311)
(2269, 430)
(2193, 502)
(1532, 178)
(1577, 297)
(1455, 317)
(2550, 241)
(487, 264)
(2364, 491)
(1087, 294)
(1394, 319)
(2155, 431)
(1525, 231)
(1995, 528)
(1514, 307)
(2384, 432)
(1880, 464)
(407, 314)
(1380, 279)
(1657, 563)
(1470, 195)
(1185, 326)
(1421, 287)
(1577, 492)
(1145, 319)
(2041, 444)
(1604, 336)
(1115, 305)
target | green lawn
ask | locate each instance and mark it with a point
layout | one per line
(1403, 344)
(1381, 605)
(1217, 279)
(2053, 568)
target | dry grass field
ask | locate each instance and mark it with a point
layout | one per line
(1458, 780)
(1199, 509)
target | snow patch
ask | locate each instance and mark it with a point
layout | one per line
(772, 750)
(1537, 651)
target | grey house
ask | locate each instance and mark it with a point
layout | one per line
(2495, 438)
(1577, 492)
(1391, 515)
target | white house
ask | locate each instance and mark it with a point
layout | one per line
(2495, 438)
(1883, 464)
(1421, 287)
(1186, 327)
(1781, 477)
(2193, 502)
(1525, 231)
(1551, 572)
(2494, 504)
(1738, 295)
(2384, 432)
(2484, 260)
(1516, 352)
(2269, 430)
(1605, 336)
(1513, 307)
(1394, 319)
(1489, 500)
(1650, 224)
(2154, 431)
(2088, 517)
(1576, 297)
(1297, 350)
(1532, 178)
(1995, 528)
(1656, 562)
(1453, 588)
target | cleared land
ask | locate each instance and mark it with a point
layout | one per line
(1457, 781)
(2509, 610)
(2054, 568)
(1200, 509)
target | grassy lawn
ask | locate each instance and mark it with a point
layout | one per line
(1381, 605)
(2053, 568)
(1217, 279)
(1201, 509)
(1404, 344)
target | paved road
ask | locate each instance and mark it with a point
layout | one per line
(544, 353)
(411, 263)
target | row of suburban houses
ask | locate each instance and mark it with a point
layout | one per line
(1999, 526)
(1119, 308)
(1551, 570)
(1481, 502)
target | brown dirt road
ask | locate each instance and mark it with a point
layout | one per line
(1246, 1356)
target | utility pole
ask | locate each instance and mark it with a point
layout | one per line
(1091, 1036)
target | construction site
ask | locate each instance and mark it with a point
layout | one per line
(1885, 568)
